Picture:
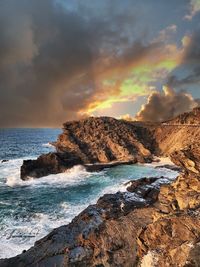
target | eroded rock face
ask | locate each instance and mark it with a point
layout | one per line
(94, 140)
(171, 240)
(192, 117)
(178, 133)
(107, 140)
(104, 139)
(188, 158)
(184, 192)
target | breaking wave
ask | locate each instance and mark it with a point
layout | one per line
(31, 209)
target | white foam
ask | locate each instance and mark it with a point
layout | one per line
(112, 189)
(8, 249)
(159, 161)
(72, 176)
(10, 170)
(4, 203)
(64, 205)
(48, 145)
(17, 236)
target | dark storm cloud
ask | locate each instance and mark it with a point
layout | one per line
(55, 54)
(165, 105)
(50, 56)
(191, 64)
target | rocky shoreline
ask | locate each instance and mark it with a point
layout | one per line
(109, 141)
(154, 223)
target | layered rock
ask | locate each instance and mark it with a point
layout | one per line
(107, 140)
(93, 140)
(178, 133)
(171, 240)
(188, 158)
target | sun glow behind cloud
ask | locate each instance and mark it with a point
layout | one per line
(135, 80)
(138, 77)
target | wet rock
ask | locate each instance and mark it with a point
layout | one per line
(126, 229)
(4, 160)
(136, 184)
(50, 163)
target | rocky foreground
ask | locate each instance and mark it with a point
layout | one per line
(155, 223)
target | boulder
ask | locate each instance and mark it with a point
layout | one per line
(50, 163)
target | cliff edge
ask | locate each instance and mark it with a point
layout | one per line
(107, 140)
(93, 140)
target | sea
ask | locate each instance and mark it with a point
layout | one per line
(29, 210)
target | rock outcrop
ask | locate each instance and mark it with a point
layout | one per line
(93, 140)
(187, 118)
(178, 133)
(107, 140)
(50, 163)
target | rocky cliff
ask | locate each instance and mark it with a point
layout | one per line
(107, 140)
(94, 140)
(192, 117)
(177, 133)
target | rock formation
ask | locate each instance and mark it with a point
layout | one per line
(154, 223)
(107, 140)
(50, 163)
(93, 140)
(177, 133)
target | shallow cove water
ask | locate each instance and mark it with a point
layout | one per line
(30, 210)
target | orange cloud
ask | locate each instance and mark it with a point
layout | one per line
(125, 78)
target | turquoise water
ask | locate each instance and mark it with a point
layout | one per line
(29, 210)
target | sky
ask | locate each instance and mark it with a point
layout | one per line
(69, 59)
